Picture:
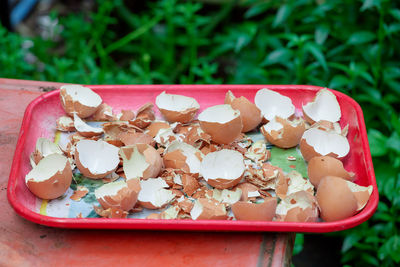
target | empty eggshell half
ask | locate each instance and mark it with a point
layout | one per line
(222, 169)
(50, 178)
(79, 99)
(248, 211)
(96, 159)
(335, 199)
(84, 129)
(118, 194)
(154, 194)
(183, 156)
(222, 123)
(300, 206)
(283, 133)
(249, 112)
(177, 108)
(316, 142)
(141, 161)
(319, 167)
(324, 107)
(273, 104)
(208, 209)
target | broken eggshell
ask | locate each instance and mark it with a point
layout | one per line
(65, 124)
(154, 194)
(283, 133)
(273, 104)
(177, 108)
(324, 107)
(79, 99)
(222, 169)
(222, 123)
(43, 148)
(208, 209)
(248, 211)
(249, 112)
(300, 206)
(119, 194)
(50, 178)
(316, 142)
(319, 167)
(84, 129)
(96, 159)
(141, 161)
(182, 156)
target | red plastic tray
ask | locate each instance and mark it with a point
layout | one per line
(39, 121)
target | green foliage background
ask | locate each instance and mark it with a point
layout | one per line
(350, 46)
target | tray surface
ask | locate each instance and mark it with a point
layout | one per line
(39, 121)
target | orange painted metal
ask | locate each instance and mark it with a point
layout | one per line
(23, 243)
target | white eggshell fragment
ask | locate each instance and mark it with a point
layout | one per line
(50, 178)
(316, 142)
(43, 148)
(84, 129)
(324, 107)
(79, 99)
(177, 108)
(154, 194)
(284, 133)
(65, 124)
(222, 169)
(300, 206)
(96, 159)
(183, 156)
(273, 104)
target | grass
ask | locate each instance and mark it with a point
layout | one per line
(350, 46)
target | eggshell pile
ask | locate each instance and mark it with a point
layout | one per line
(204, 168)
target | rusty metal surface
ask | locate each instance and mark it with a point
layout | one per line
(23, 243)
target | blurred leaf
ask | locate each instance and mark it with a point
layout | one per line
(281, 55)
(316, 52)
(361, 37)
(257, 9)
(395, 13)
(321, 33)
(282, 14)
(390, 248)
(394, 142)
(298, 244)
(349, 241)
(377, 142)
(367, 4)
(338, 82)
(368, 258)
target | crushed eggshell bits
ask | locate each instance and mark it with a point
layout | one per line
(50, 178)
(177, 108)
(96, 159)
(222, 169)
(222, 123)
(80, 100)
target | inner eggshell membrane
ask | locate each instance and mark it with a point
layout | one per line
(273, 104)
(324, 107)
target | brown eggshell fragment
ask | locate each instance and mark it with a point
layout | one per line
(324, 107)
(283, 133)
(115, 213)
(50, 178)
(319, 167)
(190, 184)
(273, 104)
(316, 142)
(177, 108)
(222, 123)
(222, 169)
(335, 199)
(96, 159)
(127, 115)
(79, 193)
(65, 124)
(258, 152)
(255, 211)
(43, 148)
(144, 117)
(119, 194)
(132, 138)
(79, 100)
(141, 161)
(248, 191)
(104, 113)
(249, 112)
(183, 157)
(208, 209)
(84, 129)
(153, 129)
(154, 194)
(362, 194)
(291, 183)
(300, 206)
